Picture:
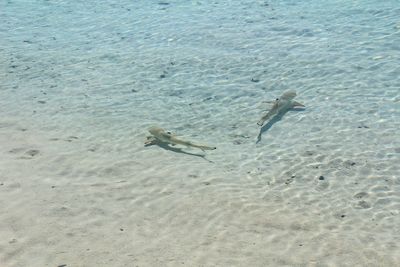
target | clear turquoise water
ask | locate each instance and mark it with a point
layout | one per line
(104, 71)
(78, 54)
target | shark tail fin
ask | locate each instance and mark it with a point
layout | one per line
(204, 148)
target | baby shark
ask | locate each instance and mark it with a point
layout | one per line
(160, 135)
(281, 105)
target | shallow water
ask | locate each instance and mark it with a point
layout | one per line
(81, 82)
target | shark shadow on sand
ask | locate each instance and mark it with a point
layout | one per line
(274, 120)
(167, 146)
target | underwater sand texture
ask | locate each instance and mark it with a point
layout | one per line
(81, 82)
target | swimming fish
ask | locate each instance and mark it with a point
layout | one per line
(160, 135)
(281, 105)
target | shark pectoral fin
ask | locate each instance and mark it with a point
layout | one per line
(297, 104)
